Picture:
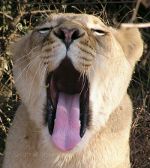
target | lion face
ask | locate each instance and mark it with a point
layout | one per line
(72, 71)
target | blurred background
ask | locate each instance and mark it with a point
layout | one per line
(17, 17)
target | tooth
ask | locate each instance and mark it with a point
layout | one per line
(46, 86)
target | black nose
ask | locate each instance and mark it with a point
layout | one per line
(68, 35)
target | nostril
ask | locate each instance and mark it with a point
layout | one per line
(60, 34)
(76, 34)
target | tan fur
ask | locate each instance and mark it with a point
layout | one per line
(108, 60)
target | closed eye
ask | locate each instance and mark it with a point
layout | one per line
(98, 32)
(44, 30)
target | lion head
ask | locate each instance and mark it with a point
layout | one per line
(71, 72)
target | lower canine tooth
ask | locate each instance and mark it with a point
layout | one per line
(46, 86)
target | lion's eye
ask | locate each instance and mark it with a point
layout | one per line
(45, 30)
(98, 32)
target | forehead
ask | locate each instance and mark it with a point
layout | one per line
(84, 19)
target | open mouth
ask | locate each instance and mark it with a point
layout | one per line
(67, 105)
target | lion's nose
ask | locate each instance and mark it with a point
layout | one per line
(68, 35)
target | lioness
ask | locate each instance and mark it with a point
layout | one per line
(72, 73)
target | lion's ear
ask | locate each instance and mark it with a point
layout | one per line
(131, 43)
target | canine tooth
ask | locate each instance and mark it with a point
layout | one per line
(46, 86)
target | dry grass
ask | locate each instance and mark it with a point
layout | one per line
(17, 22)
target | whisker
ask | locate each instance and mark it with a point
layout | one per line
(83, 81)
(43, 70)
(17, 60)
(102, 55)
(36, 72)
(26, 67)
(32, 64)
(23, 61)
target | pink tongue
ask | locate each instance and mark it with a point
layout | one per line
(66, 133)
